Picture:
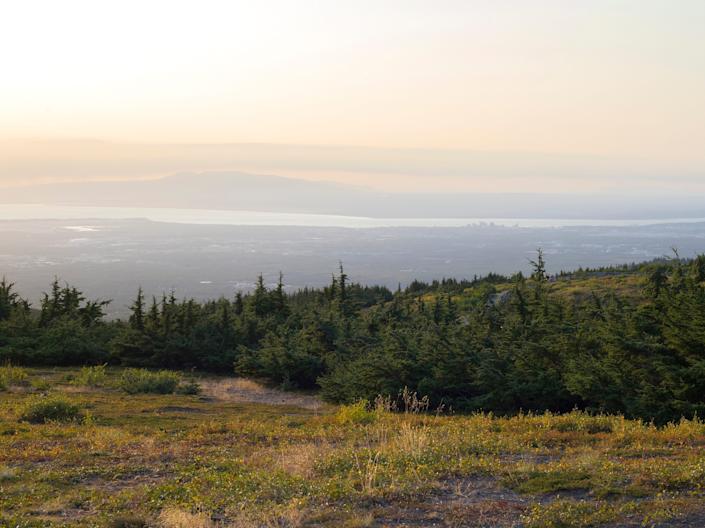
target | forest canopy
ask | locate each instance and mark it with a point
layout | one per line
(494, 343)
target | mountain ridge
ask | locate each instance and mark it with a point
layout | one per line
(234, 190)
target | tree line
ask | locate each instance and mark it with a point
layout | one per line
(495, 343)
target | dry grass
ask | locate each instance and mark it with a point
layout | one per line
(211, 462)
(178, 518)
(297, 460)
(247, 385)
(7, 474)
(300, 460)
(411, 439)
(361, 520)
(289, 516)
(245, 390)
(367, 467)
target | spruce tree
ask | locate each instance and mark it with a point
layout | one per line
(137, 308)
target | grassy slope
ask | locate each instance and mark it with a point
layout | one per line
(626, 285)
(187, 459)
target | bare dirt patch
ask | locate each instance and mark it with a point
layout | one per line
(243, 390)
(458, 503)
(119, 484)
(61, 515)
(178, 409)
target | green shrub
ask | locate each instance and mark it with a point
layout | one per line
(552, 481)
(355, 413)
(571, 514)
(91, 376)
(50, 409)
(583, 422)
(136, 381)
(41, 384)
(12, 376)
(190, 387)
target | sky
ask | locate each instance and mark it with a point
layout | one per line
(609, 94)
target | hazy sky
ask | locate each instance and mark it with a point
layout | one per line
(620, 80)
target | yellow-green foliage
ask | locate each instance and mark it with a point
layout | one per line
(579, 421)
(570, 514)
(45, 409)
(134, 381)
(12, 376)
(355, 413)
(170, 460)
(628, 286)
(95, 376)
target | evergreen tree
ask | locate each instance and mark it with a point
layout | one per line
(239, 305)
(137, 316)
(9, 300)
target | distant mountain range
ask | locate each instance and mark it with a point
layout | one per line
(257, 192)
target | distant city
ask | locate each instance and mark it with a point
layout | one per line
(111, 257)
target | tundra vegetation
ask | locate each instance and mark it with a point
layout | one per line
(571, 400)
(74, 454)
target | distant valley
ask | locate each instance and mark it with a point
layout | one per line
(108, 257)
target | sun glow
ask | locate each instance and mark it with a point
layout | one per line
(618, 79)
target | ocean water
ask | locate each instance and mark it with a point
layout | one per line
(260, 218)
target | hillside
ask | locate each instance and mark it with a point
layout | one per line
(116, 457)
(620, 340)
(535, 402)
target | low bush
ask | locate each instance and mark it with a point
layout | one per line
(91, 376)
(190, 387)
(355, 413)
(583, 422)
(553, 481)
(141, 381)
(50, 409)
(41, 384)
(575, 514)
(12, 376)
